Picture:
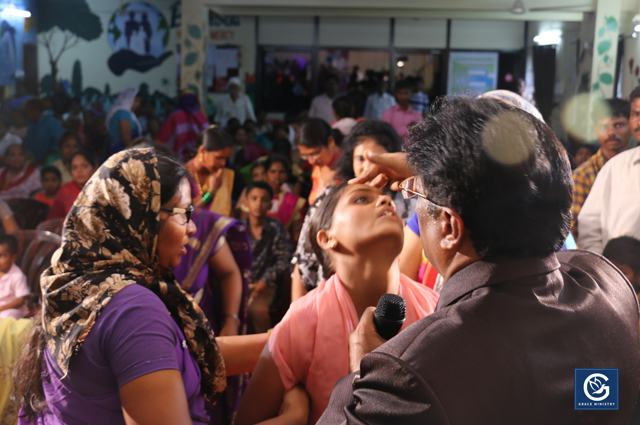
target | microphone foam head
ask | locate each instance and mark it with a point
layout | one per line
(391, 307)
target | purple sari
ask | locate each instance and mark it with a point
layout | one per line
(193, 273)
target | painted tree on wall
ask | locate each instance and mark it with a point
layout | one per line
(61, 25)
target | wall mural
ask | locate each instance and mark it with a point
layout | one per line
(61, 25)
(605, 50)
(138, 34)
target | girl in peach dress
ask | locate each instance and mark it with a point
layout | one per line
(358, 236)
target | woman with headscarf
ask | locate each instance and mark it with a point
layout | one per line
(183, 126)
(117, 340)
(122, 122)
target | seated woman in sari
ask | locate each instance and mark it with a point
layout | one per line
(19, 178)
(215, 273)
(211, 182)
(310, 345)
(286, 206)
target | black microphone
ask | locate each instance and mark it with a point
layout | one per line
(389, 315)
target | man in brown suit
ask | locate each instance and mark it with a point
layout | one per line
(514, 318)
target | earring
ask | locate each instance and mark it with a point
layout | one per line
(201, 157)
(333, 243)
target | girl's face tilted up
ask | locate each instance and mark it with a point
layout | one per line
(364, 219)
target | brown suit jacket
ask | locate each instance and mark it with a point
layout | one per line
(501, 348)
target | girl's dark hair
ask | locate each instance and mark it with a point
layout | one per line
(382, 132)
(322, 220)
(277, 158)
(258, 164)
(50, 169)
(215, 138)
(29, 394)
(313, 133)
(171, 172)
(86, 155)
(69, 134)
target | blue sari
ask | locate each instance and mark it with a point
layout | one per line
(196, 278)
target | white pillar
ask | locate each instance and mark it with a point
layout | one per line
(192, 47)
(605, 48)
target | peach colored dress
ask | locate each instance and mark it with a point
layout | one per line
(310, 344)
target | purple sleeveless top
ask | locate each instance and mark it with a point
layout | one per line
(134, 336)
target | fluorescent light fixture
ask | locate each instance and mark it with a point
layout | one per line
(548, 37)
(636, 28)
(16, 12)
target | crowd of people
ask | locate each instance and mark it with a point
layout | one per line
(261, 240)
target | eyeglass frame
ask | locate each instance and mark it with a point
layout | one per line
(188, 212)
(413, 193)
(311, 155)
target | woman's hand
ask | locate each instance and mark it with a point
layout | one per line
(385, 168)
(214, 181)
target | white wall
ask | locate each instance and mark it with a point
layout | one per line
(285, 31)
(487, 35)
(421, 33)
(353, 32)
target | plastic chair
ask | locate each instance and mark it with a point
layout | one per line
(54, 226)
(28, 212)
(35, 249)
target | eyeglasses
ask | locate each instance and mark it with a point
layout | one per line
(409, 190)
(311, 155)
(187, 212)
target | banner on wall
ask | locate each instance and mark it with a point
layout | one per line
(472, 72)
(138, 35)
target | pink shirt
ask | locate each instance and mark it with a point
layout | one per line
(310, 344)
(400, 119)
(13, 285)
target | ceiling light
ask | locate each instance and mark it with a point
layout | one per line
(16, 12)
(548, 37)
(400, 64)
(518, 8)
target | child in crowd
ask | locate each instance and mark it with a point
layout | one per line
(584, 151)
(13, 283)
(258, 174)
(83, 166)
(401, 115)
(51, 181)
(624, 253)
(310, 344)
(271, 251)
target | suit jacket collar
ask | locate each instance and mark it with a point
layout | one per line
(491, 271)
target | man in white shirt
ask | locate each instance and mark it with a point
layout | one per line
(378, 102)
(321, 104)
(234, 105)
(612, 208)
